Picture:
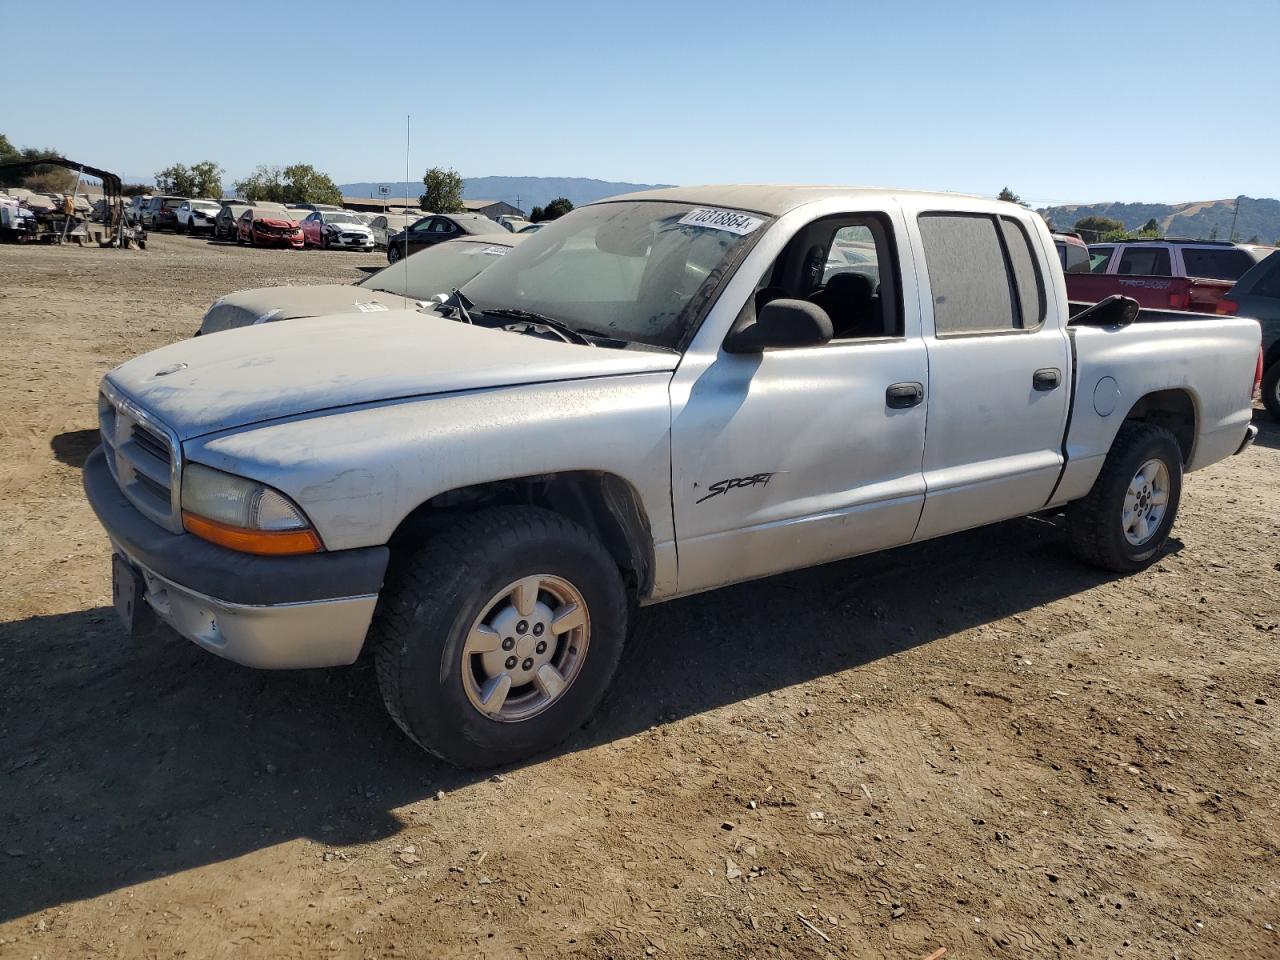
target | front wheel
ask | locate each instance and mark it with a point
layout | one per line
(393, 254)
(498, 638)
(1271, 390)
(1125, 519)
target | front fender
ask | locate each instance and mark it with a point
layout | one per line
(359, 471)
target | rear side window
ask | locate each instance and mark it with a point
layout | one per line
(1145, 261)
(1099, 257)
(1026, 272)
(1268, 285)
(1221, 264)
(972, 287)
(1076, 259)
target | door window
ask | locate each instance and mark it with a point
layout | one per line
(1223, 263)
(1099, 258)
(441, 225)
(1145, 262)
(972, 289)
(1268, 285)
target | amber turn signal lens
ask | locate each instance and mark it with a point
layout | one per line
(271, 543)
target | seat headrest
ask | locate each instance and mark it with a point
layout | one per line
(850, 288)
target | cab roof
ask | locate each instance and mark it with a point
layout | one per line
(776, 199)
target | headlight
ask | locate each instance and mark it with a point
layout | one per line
(243, 514)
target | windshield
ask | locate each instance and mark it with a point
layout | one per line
(627, 270)
(340, 218)
(437, 269)
(206, 206)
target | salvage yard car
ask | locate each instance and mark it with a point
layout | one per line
(268, 228)
(336, 228)
(414, 282)
(438, 228)
(658, 394)
(195, 216)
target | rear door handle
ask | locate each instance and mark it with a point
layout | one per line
(1046, 378)
(899, 396)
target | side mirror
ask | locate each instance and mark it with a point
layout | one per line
(782, 323)
(1113, 311)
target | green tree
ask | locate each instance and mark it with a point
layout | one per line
(443, 191)
(134, 189)
(554, 210)
(199, 180)
(1213, 233)
(1150, 229)
(303, 183)
(41, 178)
(1094, 229)
(299, 183)
(1253, 239)
(1112, 236)
(1008, 196)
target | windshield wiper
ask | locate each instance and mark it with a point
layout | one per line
(459, 305)
(559, 326)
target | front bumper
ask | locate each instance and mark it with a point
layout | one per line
(275, 240)
(270, 612)
(342, 243)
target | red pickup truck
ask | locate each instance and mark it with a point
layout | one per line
(1164, 274)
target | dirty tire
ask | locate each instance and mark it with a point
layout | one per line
(1094, 522)
(1271, 390)
(431, 601)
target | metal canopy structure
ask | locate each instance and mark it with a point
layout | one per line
(113, 213)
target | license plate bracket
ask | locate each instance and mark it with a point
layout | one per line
(128, 593)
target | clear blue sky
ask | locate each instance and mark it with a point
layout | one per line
(1155, 101)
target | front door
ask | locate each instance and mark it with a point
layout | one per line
(998, 373)
(799, 456)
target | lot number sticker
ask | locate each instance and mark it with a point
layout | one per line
(731, 221)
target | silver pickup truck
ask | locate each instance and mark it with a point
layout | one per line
(656, 395)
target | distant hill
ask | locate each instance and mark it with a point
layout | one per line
(523, 192)
(1198, 219)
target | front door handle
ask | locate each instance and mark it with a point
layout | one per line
(1046, 378)
(900, 396)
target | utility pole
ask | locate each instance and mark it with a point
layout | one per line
(1235, 216)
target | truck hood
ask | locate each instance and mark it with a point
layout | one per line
(268, 304)
(275, 370)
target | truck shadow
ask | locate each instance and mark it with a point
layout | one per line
(125, 761)
(1268, 430)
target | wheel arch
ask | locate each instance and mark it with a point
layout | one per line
(605, 504)
(1176, 410)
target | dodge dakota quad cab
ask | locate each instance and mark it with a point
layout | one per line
(656, 395)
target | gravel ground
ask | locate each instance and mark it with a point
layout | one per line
(974, 744)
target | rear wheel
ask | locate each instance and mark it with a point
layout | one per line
(1124, 521)
(1271, 390)
(393, 254)
(499, 637)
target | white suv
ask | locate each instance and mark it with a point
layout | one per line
(196, 215)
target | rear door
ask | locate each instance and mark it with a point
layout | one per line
(998, 369)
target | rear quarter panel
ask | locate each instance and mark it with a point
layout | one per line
(1212, 359)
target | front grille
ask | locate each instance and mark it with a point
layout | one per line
(143, 456)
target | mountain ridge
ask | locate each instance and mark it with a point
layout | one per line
(523, 192)
(1198, 219)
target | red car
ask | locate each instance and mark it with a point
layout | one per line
(268, 228)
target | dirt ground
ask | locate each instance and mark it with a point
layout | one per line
(975, 744)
